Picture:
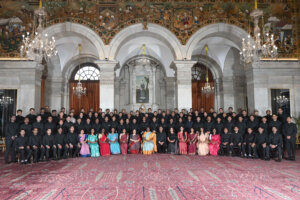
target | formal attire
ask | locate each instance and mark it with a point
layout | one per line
(124, 143)
(173, 146)
(182, 137)
(192, 143)
(134, 147)
(85, 149)
(104, 145)
(214, 144)
(94, 146)
(114, 144)
(203, 148)
(149, 143)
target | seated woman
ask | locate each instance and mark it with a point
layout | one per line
(93, 142)
(104, 145)
(113, 141)
(203, 149)
(215, 142)
(85, 149)
(192, 138)
(182, 137)
(135, 142)
(149, 142)
(172, 139)
(124, 141)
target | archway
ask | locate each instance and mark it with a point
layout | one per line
(88, 74)
(199, 98)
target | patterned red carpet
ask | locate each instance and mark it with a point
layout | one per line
(152, 177)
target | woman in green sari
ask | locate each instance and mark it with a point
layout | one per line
(93, 142)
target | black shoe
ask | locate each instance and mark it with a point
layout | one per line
(279, 160)
(267, 159)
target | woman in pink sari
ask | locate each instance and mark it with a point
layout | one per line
(124, 141)
(214, 144)
(192, 138)
(182, 137)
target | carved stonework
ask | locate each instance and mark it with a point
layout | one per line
(182, 17)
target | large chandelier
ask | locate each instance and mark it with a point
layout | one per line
(5, 101)
(38, 45)
(281, 100)
(79, 90)
(207, 88)
(262, 47)
(143, 60)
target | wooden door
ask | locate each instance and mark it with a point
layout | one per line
(199, 98)
(88, 101)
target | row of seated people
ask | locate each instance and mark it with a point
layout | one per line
(140, 121)
(202, 143)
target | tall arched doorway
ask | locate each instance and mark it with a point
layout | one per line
(199, 99)
(89, 77)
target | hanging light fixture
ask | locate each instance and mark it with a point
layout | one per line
(79, 90)
(5, 101)
(38, 45)
(143, 60)
(260, 48)
(207, 88)
(281, 100)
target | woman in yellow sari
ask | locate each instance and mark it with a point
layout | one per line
(149, 142)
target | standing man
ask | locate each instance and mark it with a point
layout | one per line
(290, 131)
(11, 132)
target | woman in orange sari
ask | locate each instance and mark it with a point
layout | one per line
(182, 137)
(149, 142)
(104, 145)
(124, 141)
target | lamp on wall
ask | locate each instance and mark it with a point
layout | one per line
(79, 89)
(207, 88)
(38, 45)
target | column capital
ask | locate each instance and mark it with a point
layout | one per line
(107, 65)
(184, 64)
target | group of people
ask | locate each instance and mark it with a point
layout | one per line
(93, 134)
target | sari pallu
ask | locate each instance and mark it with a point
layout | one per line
(104, 145)
(192, 143)
(124, 143)
(134, 147)
(214, 144)
(149, 143)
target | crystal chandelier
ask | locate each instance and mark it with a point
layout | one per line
(143, 60)
(260, 48)
(207, 88)
(79, 89)
(281, 100)
(37, 45)
(5, 101)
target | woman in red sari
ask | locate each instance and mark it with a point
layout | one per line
(124, 141)
(214, 144)
(192, 138)
(135, 142)
(104, 145)
(182, 137)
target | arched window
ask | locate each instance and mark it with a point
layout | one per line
(87, 72)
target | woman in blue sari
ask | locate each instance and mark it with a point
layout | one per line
(149, 142)
(113, 141)
(93, 142)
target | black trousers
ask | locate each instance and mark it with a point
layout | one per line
(74, 151)
(265, 151)
(278, 150)
(46, 151)
(247, 149)
(235, 149)
(290, 146)
(10, 149)
(224, 148)
(35, 154)
(161, 148)
(62, 151)
(24, 154)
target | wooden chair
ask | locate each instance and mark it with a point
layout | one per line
(2, 144)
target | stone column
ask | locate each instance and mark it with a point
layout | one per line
(107, 80)
(170, 92)
(184, 83)
(154, 102)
